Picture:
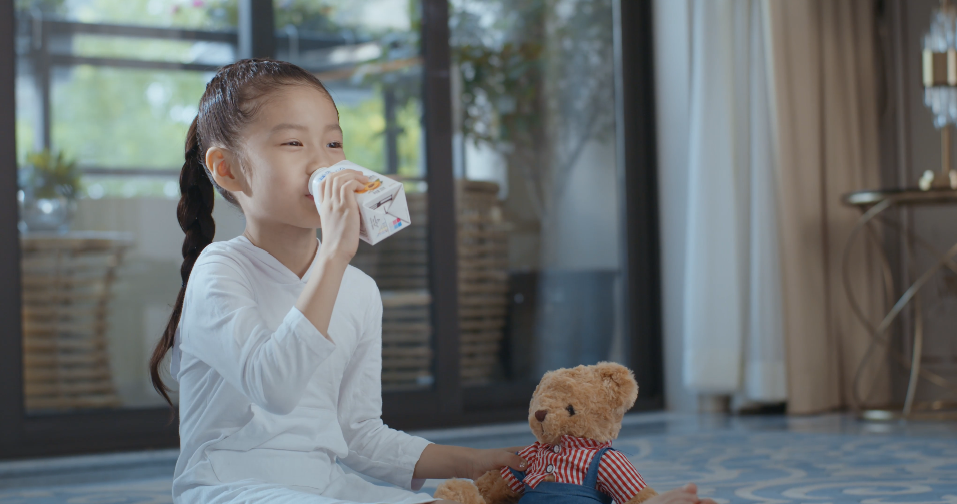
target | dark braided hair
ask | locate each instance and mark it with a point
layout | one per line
(230, 101)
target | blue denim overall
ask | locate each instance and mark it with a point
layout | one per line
(548, 492)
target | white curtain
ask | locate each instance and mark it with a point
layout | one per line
(733, 329)
(780, 121)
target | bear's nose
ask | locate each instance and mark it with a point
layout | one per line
(540, 415)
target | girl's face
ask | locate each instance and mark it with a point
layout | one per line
(293, 134)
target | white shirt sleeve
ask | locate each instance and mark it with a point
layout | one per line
(226, 331)
(374, 448)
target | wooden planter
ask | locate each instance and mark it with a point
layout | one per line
(400, 268)
(483, 279)
(406, 340)
(66, 283)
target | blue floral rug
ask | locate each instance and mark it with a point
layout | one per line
(790, 467)
(831, 459)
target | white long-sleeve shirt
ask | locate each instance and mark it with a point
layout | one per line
(265, 397)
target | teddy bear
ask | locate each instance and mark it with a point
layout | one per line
(575, 414)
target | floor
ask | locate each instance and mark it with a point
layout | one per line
(773, 459)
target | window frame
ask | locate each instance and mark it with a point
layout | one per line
(447, 403)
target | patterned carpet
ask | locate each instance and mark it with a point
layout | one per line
(792, 467)
(828, 459)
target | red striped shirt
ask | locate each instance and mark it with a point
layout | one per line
(568, 461)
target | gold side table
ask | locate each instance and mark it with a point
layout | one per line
(872, 205)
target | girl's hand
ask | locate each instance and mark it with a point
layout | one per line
(484, 461)
(340, 213)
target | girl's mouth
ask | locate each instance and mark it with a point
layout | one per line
(310, 196)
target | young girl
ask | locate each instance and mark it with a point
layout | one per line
(275, 339)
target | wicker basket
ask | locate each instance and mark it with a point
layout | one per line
(66, 289)
(406, 340)
(483, 279)
(400, 268)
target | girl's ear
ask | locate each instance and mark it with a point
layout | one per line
(222, 164)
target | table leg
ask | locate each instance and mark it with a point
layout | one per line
(916, 352)
(878, 333)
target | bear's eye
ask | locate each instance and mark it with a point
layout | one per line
(571, 410)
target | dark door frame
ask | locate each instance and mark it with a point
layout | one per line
(11, 374)
(638, 193)
(446, 404)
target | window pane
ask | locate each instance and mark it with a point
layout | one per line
(100, 243)
(197, 14)
(123, 118)
(367, 55)
(28, 114)
(99, 286)
(535, 119)
(179, 51)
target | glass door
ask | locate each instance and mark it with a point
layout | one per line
(368, 54)
(105, 93)
(540, 218)
(500, 118)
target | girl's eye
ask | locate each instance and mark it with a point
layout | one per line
(295, 143)
(334, 145)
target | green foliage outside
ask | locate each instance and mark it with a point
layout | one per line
(318, 16)
(180, 51)
(363, 131)
(24, 133)
(362, 126)
(409, 118)
(123, 118)
(199, 14)
(537, 84)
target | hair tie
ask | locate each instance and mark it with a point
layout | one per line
(183, 285)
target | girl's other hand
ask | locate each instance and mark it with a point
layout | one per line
(687, 494)
(339, 214)
(495, 459)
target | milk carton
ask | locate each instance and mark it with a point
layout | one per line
(383, 209)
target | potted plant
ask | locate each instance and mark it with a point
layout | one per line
(49, 185)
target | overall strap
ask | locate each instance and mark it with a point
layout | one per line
(591, 478)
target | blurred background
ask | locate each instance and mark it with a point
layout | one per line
(729, 197)
(499, 117)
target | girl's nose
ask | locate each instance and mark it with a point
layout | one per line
(540, 415)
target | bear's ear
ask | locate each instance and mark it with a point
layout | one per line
(621, 380)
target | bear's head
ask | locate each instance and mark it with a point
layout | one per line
(585, 401)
